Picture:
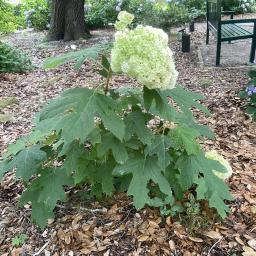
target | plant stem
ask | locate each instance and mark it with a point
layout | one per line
(107, 82)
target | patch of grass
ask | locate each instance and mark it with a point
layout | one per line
(5, 102)
(174, 36)
(53, 80)
(195, 219)
(205, 83)
(19, 240)
(4, 118)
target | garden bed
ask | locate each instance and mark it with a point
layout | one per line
(112, 226)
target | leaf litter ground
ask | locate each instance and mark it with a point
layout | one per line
(112, 226)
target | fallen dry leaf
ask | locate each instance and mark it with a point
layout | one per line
(196, 239)
(248, 251)
(17, 252)
(172, 245)
(239, 240)
(143, 238)
(213, 234)
(252, 244)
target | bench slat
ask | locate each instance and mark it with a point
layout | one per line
(241, 30)
(233, 31)
(226, 32)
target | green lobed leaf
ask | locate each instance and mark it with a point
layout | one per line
(98, 175)
(95, 136)
(186, 98)
(106, 67)
(78, 56)
(156, 103)
(73, 114)
(197, 169)
(109, 142)
(185, 138)
(135, 123)
(73, 153)
(103, 175)
(143, 171)
(172, 174)
(28, 162)
(25, 141)
(159, 147)
(44, 192)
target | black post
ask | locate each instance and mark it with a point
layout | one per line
(253, 46)
(185, 42)
(218, 52)
(207, 22)
(192, 26)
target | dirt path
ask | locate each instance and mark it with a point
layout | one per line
(113, 227)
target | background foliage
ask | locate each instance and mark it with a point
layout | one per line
(12, 60)
(101, 13)
(34, 13)
(8, 22)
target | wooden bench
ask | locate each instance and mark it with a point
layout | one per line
(228, 30)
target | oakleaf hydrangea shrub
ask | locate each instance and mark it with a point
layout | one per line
(129, 139)
(12, 60)
(249, 94)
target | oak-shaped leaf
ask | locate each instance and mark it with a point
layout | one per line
(159, 147)
(44, 192)
(197, 169)
(73, 114)
(143, 170)
(27, 162)
(184, 138)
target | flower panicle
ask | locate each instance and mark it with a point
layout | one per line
(143, 53)
(214, 155)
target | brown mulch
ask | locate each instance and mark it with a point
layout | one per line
(112, 226)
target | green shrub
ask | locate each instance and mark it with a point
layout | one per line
(99, 13)
(239, 6)
(143, 11)
(13, 60)
(177, 14)
(199, 5)
(125, 139)
(7, 19)
(230, 5)
(163, 15)
(35, 13)
(249, 94)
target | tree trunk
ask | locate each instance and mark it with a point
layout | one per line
(67, 20)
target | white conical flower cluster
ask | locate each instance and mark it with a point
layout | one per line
(143, 53)
(213, 154)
